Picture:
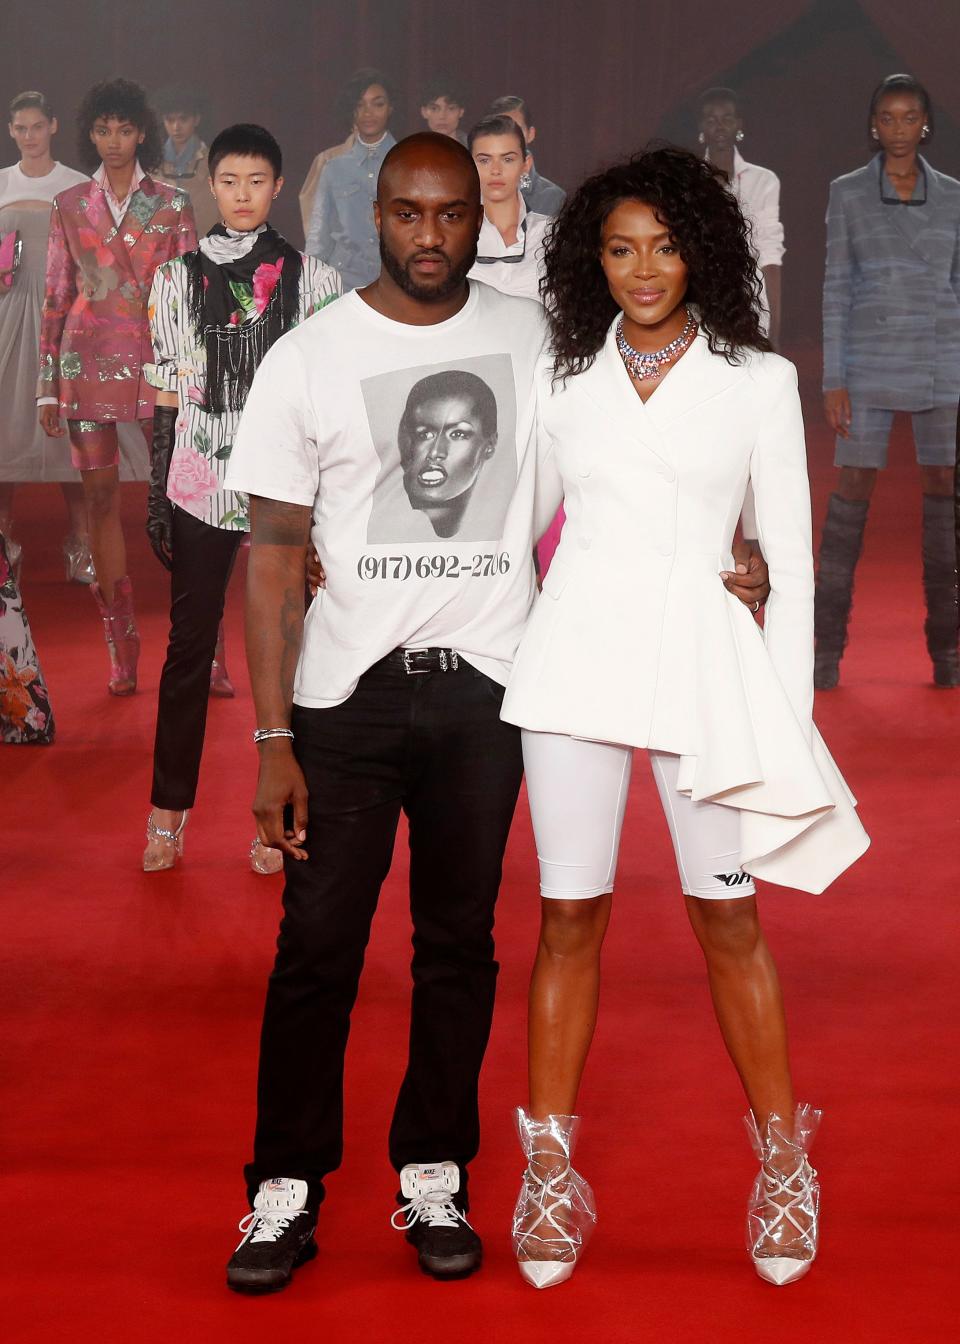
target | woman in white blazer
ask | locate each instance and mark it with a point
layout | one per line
(660, 400)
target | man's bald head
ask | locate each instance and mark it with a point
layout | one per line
(428, 212)
(427, 155)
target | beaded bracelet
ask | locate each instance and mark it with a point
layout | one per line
(262, 734)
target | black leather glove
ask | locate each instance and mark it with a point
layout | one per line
(159, 508)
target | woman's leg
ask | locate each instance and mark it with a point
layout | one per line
(859, 457)
(722, 907)
(101, 488)
(577, 792)
(934, 433)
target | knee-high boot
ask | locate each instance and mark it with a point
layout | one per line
(120, 633)
(840, 547)
(940, 588)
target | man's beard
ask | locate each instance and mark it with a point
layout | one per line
(399, 274)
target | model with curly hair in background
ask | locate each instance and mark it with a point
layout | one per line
(660, 400)
(107, 237)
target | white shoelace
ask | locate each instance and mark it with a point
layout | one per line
(436, 1209)
(267, 1224)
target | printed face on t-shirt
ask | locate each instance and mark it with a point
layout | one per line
(445, 437)
(447, 432)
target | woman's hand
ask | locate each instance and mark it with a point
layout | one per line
(836, 407)
(750, 580)
(50, 422)
(316, 577)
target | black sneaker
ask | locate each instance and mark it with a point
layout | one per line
(447, 1246)
(279, 1238)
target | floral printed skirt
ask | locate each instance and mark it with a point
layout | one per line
(25, 713)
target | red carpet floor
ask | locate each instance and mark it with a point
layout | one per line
(131, 1007)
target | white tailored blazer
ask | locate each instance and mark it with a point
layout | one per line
(635, 639)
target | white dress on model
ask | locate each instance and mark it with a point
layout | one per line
(636, 641)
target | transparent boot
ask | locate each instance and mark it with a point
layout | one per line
(120, 634)
(555, 1211)
(783, 1213)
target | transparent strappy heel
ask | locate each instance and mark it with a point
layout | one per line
(164, 847)
(555, 1211)
(783, 1213)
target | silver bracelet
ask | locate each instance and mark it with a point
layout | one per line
(262, 734)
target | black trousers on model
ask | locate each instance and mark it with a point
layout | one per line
(203, 559)
(433, 745)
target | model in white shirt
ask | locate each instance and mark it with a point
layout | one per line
(510, 247)
(757, 190)
(27, 189)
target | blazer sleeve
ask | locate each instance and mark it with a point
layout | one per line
(185, 238)
(320, 233)
(60, 292)
(320, 284)
(778, 470)
(837, 294)
(163, 308)
(767, 226)
(548, 495)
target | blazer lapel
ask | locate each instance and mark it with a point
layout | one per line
(697, 377)
(914, 223)
(143, 206)
(608, 385)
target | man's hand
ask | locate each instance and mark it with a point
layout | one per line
(316, 577)
(750, 581)
(50, 422)
(281, 784)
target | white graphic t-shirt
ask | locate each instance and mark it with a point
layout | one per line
(415, 448)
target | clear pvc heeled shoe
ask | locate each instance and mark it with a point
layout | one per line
(783, 1213)
(78, 560)
(555, 1211)
(221, 687)
(265, 860)
(164, 847)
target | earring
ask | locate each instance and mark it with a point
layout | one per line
(702, 138)
(739, 137)
(925, 133)
(526, 181)
(875, 133)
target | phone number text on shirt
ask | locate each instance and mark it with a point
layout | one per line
(402, 567)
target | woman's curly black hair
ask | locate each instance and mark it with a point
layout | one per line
(689, 195)
(126, 101)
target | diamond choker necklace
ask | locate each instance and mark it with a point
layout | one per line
(642, 366)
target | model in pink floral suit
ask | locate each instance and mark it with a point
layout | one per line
(107, 238)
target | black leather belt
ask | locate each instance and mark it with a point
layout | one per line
(425, 660)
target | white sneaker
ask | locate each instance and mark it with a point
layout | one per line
(447, 1246)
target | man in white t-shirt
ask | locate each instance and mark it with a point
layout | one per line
(396, 429)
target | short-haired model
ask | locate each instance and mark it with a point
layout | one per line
(541, 195)
(108, 235)
(442, 105)
(891, 342)
(184, 163)
(214, 314)
(722, 131)
(659, 400)
(510, 250)
(27, 189)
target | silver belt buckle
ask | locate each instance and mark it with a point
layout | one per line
(413, 671)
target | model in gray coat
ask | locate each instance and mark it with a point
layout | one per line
(891, 342)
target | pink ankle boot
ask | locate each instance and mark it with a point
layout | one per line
(120, 633)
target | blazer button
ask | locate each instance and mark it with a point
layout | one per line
(665, 548)
(585, 543)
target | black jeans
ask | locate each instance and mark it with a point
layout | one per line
(434, 745)
(203, 559)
